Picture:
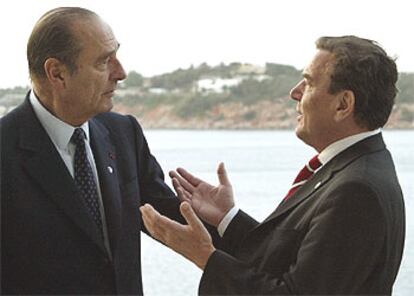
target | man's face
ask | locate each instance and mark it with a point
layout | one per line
(315, 105)
(90, 88)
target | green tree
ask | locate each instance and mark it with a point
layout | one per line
(134, 79)
(405, 85)
(277, 69)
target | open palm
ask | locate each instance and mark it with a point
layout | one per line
(211, 203)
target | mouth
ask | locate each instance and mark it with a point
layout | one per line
(300, 114)
(110, 92)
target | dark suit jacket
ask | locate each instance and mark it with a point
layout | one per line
(340, 233)
(49, 244)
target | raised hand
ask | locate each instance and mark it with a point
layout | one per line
(211, 203)
(192, 241)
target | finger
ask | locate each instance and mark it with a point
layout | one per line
(146, 213)
(156, 218)
(149, 211)
(150, 216)
(191, 218)
(222, 174)
(193, 180)
(178, 187)
(158, 225)
(181, 193)
(149, 221)
(182, 182)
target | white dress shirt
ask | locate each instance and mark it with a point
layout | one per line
(324, 157)
(60, 133)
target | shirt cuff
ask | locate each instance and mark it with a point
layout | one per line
(221, 228)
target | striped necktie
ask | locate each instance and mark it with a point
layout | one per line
(305, 173)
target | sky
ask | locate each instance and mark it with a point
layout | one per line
(159, 36)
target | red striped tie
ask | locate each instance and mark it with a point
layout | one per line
(304, 175)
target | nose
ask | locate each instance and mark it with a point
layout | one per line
(118, 72)
(296, 92)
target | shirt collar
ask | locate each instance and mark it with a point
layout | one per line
(337, 147)
(59, 132)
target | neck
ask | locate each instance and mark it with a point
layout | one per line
(334, 137)
(53, 104)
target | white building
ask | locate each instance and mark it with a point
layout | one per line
(216, 85)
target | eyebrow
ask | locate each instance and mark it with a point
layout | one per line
(107, 54)
(307, 76)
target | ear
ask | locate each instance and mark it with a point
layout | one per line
(345, 105)
(56, 72)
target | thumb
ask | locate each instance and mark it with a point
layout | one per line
(222, 174)
(189, 216)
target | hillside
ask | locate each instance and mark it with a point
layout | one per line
(230, 96)
(234, 96)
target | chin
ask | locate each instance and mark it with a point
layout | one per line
(301, 134)
(306, 138)
(103, 109)
(107, 106)
(299, 131)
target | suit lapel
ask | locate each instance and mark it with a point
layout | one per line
(105, 159)
(321, 178)
(316, 182)
(45, 165)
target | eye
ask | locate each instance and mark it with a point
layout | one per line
(105, 61)
(307, 83)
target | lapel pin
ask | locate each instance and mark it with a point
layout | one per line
(110, 169)
(317, 185)
(111, 155)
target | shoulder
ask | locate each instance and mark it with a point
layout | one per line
(368, 183)
(118, 123)
(17, 120)
(115, 118)
(375, 170)
(22, 112)
(15, 116)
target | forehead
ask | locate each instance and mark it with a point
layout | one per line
(95, 35)
(321, 65)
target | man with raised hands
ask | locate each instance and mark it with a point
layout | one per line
(340, 229)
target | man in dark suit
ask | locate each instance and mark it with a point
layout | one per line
(340, 229)
(70, 222)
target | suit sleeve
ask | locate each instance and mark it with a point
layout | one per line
(236, 231)
(153, 189)
(152, 184)
(338, 252)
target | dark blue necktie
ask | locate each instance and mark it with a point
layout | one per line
(84, 178)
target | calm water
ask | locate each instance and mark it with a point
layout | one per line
(261, 165)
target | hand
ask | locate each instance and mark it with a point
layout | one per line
(192, 241)
(209, 202)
